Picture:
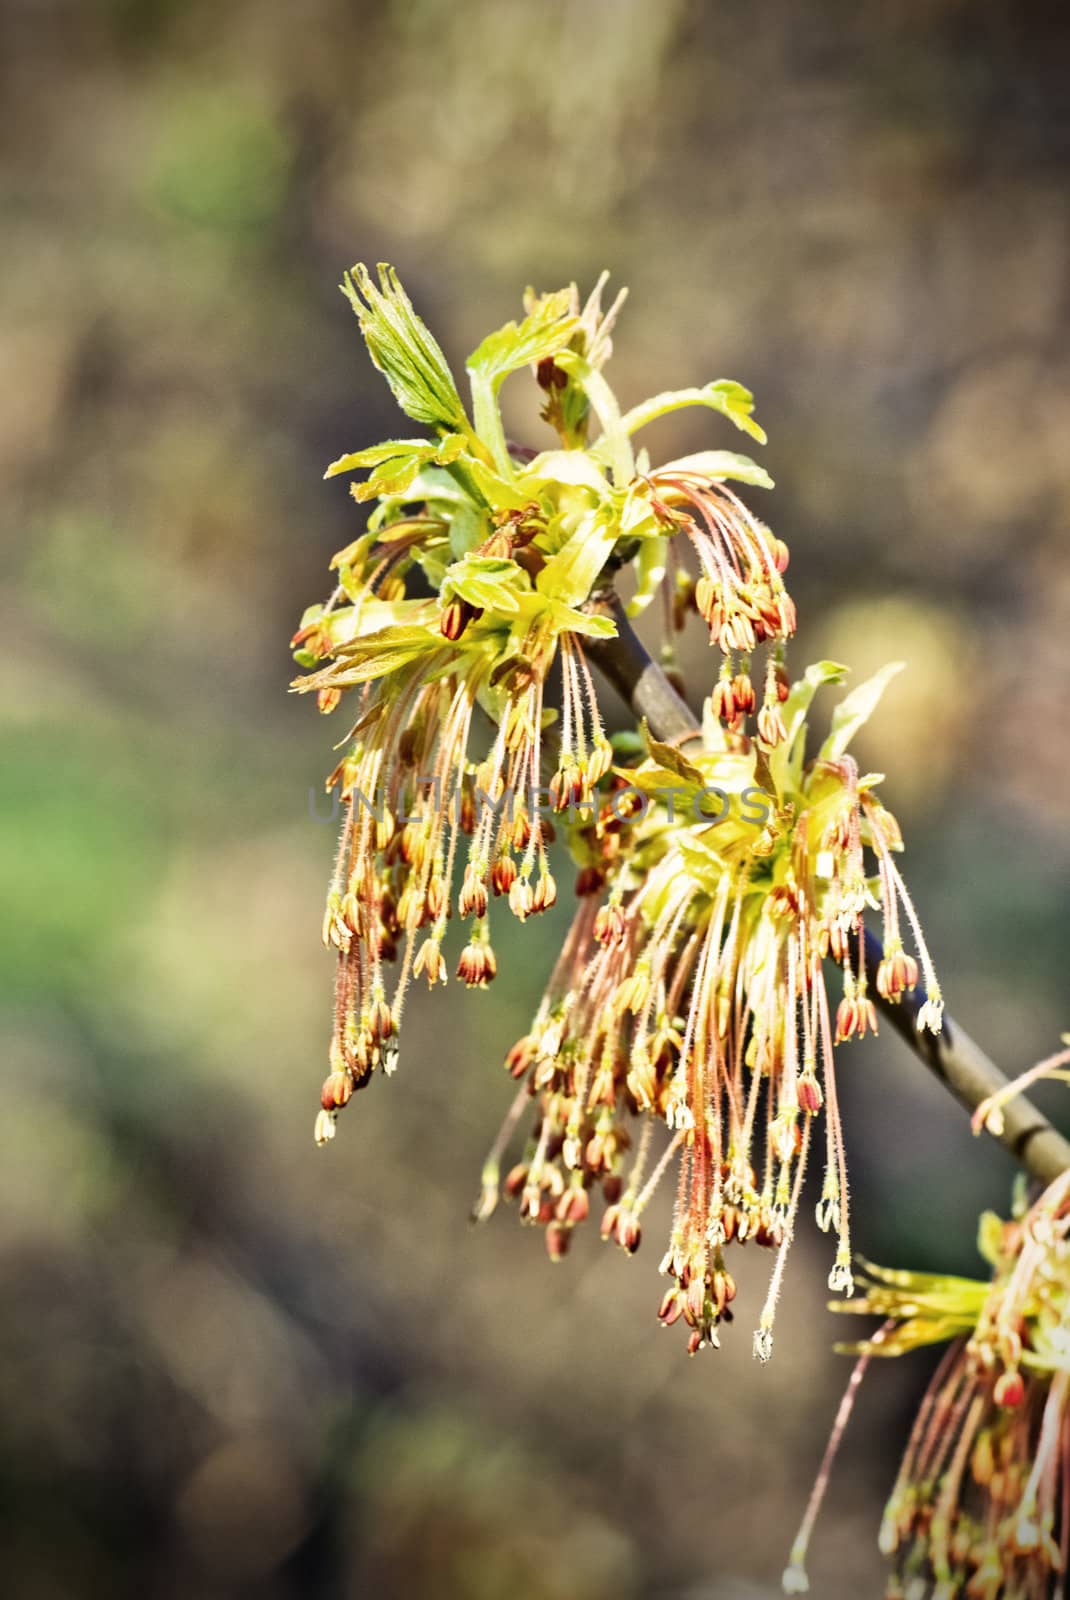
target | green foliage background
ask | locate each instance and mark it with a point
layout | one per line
(230, 1365)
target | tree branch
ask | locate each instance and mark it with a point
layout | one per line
(951, 1056)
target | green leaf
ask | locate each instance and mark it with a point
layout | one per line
(649, 572)
(721, 464)
(855, 709)
(725, 395)
(568, 620)
(672, 759)
(404, 350)
(468, 527)
(374, 454)
(569, 575)
(786, 760)
(373, 655)
(501, 493)
(572, 467)
(488, 582)
(545, 331)
(542, 333)
(613, 447)
(395, 464)
(763, 775)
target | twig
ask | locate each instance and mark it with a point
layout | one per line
(951, 1055)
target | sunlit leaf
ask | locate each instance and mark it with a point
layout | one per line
(722, 464)
(395, 464)
(649, 571)
(490, 583)
(404, 350)
(547, 329)
(856, 709)
(570, 574)
(724, 395)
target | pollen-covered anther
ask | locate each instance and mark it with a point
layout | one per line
(708, 598)
(472, 900)
(544, 894)
(743, 693)
(722, 699)
(380, 1022)
(723, 1290)
(565, 788)
(609, 925)
(599, 760)
(896, 973)
(621, 1224)
(503, 874)
(809, 1093)
(589, 880)
(437, 898)
(326, 1127)
(847, 1019)
(574, 1205)
(521, 899)
(771, 727)
(477, 965)
(429, 961)
(337, 1090)
(671, 1308)
(455, 618)
(1009, 1390)
(327, 700)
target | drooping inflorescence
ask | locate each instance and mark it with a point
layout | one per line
(687, 1024)
(691, 994)
(981, 1504)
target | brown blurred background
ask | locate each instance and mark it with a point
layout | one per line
(231, 1365)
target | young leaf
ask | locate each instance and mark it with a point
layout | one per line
(786, 760)
(570, 574)
(404, 350)
(649, 572)
(547, 329)
(573, 467)
(672, 759)
(373, 655)
(855, 709)
(722, 464)
(488, 582)
(613, 447)
(725, 395)
(395, 464)
(568, 620)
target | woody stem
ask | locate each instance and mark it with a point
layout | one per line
(951, 1055)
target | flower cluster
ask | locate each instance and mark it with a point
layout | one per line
(688, 1008)
(514, 548)
(980, 1505)
(690, 998)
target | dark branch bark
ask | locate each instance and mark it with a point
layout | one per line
(952, 1056)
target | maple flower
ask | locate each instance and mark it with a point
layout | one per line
(690, 1001)
(980, 1504)
(481, 569)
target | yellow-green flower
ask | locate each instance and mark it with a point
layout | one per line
(690, 998)
(482, 565)
(980, 1505)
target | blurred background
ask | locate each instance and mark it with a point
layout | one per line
(232, 1365)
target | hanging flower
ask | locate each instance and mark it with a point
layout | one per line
(480, 570)
(980, 1504)
(689, 1002)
